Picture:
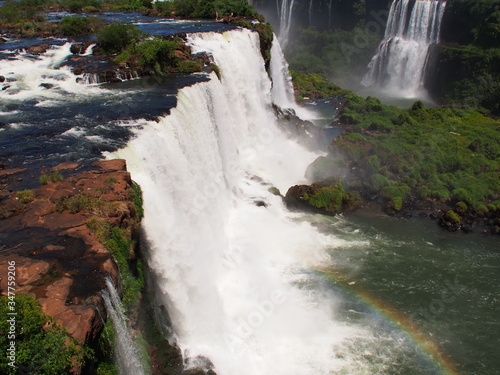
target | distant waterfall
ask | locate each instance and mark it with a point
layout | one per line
(399, 64)
(285, 9)
(125, 350)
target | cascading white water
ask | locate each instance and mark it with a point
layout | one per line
(310, 12)
(127, 357)
(42, 76)
(233, 274)
(399, 64)
(285, 9)
(282, 89)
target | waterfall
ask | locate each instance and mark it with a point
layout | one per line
(330, 14)
(285, 9)
(126, 353)
(310, 12)
(230, 262)
(399, 64)
(282, 90)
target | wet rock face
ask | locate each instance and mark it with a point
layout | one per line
(58, 258)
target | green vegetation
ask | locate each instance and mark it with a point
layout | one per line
(104, 353)
(25, 196)
(314, 86)
(214, 8)
(119, 244)
(75, 26)
(467, 61)
(76, 6)
(117, 37)
(155, 56)
(329, 198)
(42, 347)
(438, 155)
(50, 177)
(137, 199)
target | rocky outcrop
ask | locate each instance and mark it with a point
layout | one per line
(59, 259)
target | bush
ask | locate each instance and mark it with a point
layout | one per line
(115, 38)
(78, 5)
(328, 198)
(42, 347)
(25, 196)
(212, 8)
(157, 56)
(51, 176)
(188, 67)
(73, 26)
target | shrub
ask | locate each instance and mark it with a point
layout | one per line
(188, 67)
(78, 5)
(51, 176)
(216, 69)
(460, 207)
(42, 346)
(115, 38)
(157, 56)
(452, 217)
(73, 26)
(137, 199)
(328, 198)
(25, 196)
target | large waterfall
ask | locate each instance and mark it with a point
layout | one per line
(231, 263)
(399, 64)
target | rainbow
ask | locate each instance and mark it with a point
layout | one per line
(389, 313)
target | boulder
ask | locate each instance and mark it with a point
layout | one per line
(46, 86)
(38, 49)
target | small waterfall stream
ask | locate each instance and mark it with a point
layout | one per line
(126, 353)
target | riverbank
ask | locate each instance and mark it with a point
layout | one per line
(438, 162)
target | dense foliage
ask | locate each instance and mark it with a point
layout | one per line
(213, 8)
(438, 155)
(42, 347)
(116, 37)
(75, 26)
(467, 61)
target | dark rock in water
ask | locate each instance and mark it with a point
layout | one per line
(5, 87)
(198, 365)
(80, 48)
(260, 204)
(2, 40)
(2, 79)
(211, 372)
(46, 86)
(295, 197)
(36, 50)
(2, 125)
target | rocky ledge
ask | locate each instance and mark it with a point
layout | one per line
(59, 258)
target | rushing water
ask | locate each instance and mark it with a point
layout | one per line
(248, 284)
(398, 67)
